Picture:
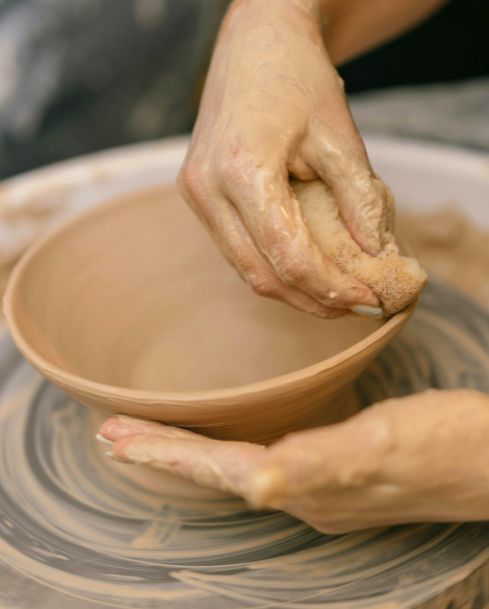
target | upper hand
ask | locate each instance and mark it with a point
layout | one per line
(274, 107)
(420, 458)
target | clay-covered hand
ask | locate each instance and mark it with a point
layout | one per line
(273, 108)
(420, 458)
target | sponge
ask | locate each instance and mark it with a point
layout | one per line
(396, 280)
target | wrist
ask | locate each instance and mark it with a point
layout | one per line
(320, 16)
(262, 19)
(313, 8)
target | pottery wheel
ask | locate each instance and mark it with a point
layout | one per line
(77, 530)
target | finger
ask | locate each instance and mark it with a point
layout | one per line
(271, 213)
(365, 202)
(260, 275)
(121, 426)
(220, 465)
(230, 233)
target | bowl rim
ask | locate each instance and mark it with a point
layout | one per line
(142, 396)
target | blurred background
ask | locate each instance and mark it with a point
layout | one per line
(81, 75)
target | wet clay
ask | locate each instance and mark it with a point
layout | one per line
(135, 296)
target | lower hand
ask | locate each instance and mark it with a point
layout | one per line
(420, 458)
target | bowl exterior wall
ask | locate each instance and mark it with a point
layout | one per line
(261, 416)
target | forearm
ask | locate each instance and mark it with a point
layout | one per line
(440, 455)
(355, 26)
(351, 27)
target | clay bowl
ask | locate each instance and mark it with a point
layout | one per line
(131, 308)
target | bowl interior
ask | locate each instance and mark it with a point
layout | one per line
(136, 295)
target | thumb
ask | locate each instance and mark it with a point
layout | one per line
(341, 456)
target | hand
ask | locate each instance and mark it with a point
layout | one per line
(274, 107)
(420, 458)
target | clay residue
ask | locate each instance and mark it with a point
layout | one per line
(451, 248)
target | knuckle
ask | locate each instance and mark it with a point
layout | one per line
(288, 255)
(191, 181)
(237, 166)
(263, 285)
(225, 166)
(292, 269)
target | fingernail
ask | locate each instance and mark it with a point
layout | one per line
(366, 311)
(267, 486)
(102, 439)
(111, 455)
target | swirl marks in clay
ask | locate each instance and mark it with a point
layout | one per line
(77, 530)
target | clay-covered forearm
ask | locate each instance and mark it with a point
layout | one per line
(352, 27)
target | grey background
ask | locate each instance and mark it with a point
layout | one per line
(80, 75)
